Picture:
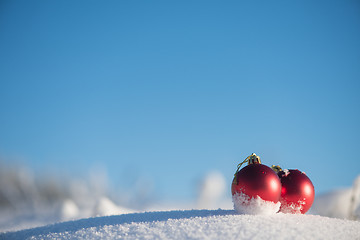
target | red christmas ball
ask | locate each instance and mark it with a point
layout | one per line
(257, 180)
(297, 192)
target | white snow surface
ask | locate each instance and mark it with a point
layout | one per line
(196, 224)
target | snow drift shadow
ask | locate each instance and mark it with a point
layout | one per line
(72, 226)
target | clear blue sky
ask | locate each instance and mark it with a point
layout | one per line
(170, 90)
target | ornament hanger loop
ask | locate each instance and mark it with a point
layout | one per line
(252, 159)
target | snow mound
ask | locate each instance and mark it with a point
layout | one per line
(211, 191)
(340, 203)
(196, 224)
(245, 205)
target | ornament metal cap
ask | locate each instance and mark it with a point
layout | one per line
(276, 168)
(252, 159)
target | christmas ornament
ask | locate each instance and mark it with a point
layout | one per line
(256, 180)
(297, 191)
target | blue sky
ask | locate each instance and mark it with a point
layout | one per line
(171, 90)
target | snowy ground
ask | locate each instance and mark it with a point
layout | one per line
(29, 209)
(196, 224)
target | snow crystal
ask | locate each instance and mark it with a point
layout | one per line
(245, 205)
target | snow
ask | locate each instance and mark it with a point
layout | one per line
(293, 208)
(211, 190)
(340, 203)
(196, 224)
(246, 205)
(86, 209)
